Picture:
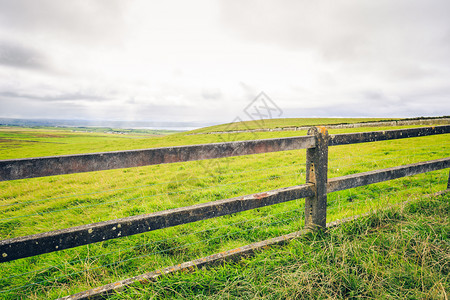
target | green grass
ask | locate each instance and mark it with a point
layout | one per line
(293, 122)
(399, 253)
(109, 130)
(283, 123)
(42, 204)
(30, 142)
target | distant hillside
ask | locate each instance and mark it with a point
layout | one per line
(294, 122)
(174, 126)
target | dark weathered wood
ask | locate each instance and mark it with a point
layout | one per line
(36, 244)
(366, 178)
(448, 182)
(21, 247)
(208, 261)
(57, 165)
(67, 164)
(316, 173)
(364, 137)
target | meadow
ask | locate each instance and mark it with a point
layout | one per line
(357, 260)
(280, 123)
(42, 204)
(283, 123)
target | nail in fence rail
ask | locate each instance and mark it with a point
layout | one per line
(315, 189)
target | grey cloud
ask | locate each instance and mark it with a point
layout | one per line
(376, 35)
(50, 98)
(131, 100)
(85, 20)
(19, 56)
(350, 111)
(34, 109)
(249, 91)
(379, 97)
(373, 95)
(212, 94)
(375, 103)
(293, 24)
(358, 50)
(437, 96)
(345, 24)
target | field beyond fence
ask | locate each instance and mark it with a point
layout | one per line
(267, 210)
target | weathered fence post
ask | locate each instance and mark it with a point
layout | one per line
(448, 183)
(316, 172)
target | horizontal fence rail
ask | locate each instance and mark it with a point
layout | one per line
(13, 169)
(371, 177)
(376, 136)
(315, 190)
(41, 243)
(68, 164)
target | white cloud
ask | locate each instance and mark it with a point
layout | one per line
(206, 60)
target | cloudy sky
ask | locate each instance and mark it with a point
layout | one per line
(207, 60)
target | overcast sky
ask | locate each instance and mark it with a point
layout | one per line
(207, 60)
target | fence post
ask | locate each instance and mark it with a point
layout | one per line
(448, 183)
(316, 172)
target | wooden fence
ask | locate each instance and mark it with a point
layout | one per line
(315, 189)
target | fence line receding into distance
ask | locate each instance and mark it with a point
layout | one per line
(315, 190)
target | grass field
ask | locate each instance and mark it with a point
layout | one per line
(283, 123)
(42, 204)
(289, 123)
(357, 260)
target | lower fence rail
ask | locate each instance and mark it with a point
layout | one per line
(315, 191)
(27, 246)
(208, 261)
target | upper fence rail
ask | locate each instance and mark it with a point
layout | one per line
(31, 245)
(315, 190)
(13, 169)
